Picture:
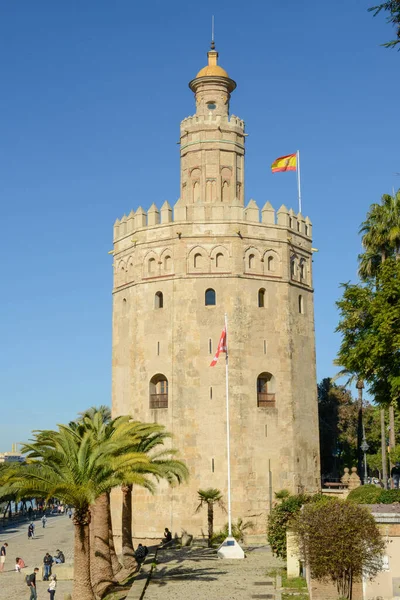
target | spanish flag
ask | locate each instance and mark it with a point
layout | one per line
(285, 163)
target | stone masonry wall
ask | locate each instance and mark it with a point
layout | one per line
(228, 249)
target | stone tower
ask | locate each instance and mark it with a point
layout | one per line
(176, 273)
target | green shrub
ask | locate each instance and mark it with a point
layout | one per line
(280, 517)
(388, 496)
(365, 494)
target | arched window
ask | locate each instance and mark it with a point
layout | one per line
(271, 263)
(252, 260)
(158, 300)
(261, 298)
(210, 297)
(159, 391)
(225, 191)
(196, 191)
(167, 263)
(198, 261)
(302, 269)
(152, 265)
(293, 267)
(301, 305)
(266, 390)
(219, 260)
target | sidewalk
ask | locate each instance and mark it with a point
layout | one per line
(58, 533)
(198, 574)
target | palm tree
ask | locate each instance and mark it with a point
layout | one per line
(381, 235)
(392, 204)
(162, 466)
(121, 437)
(209, 497)
(75, 469)
(103, 411)
(381, 240)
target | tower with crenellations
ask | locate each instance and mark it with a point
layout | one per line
(177, 271)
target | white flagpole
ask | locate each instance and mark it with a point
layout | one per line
(228, 453)
(298, 179)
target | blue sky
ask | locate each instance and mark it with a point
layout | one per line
(92, 96)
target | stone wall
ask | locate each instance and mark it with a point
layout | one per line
(238, 259)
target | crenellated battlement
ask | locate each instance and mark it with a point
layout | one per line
(212, 119)
(201, 212)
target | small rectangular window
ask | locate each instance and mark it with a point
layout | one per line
(210, 346)
(265, 346)
(212, 465)
(211, 393)
(158, 348)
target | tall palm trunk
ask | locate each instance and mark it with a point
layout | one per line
(210, 519)
(91, 543)
(82, 589)
(102, 573)
(116, 565)
(128, 554)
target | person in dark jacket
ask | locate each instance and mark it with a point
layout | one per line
(140, 553)
(47, 562)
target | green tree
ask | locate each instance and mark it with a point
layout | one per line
(340, 542)
(162, 465)
(77, 470)
(136, 438)
(380, 235)
(280, 518)
(210, 497)
(120, 437)
(338, 414)
(369, 324)
(392, 7)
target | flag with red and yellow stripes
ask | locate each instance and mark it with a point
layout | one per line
(285, 163)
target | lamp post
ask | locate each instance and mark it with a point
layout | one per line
(364, 448)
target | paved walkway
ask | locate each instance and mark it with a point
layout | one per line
(58, 533)
(198, 574)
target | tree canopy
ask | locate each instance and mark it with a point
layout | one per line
(370, 328)
(340, 542)
(392, 8)
(370, 310)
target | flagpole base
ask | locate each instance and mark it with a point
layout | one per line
(230, 548)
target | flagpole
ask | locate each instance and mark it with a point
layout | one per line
(228, 445)
(298, 179)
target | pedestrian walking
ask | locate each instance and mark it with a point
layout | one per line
(70, 512)
(3, 553)
(32, 528)
(31, 583)
(44, 521)
(47, 562)
(19, 564)
(52, 587)
(30, 531)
